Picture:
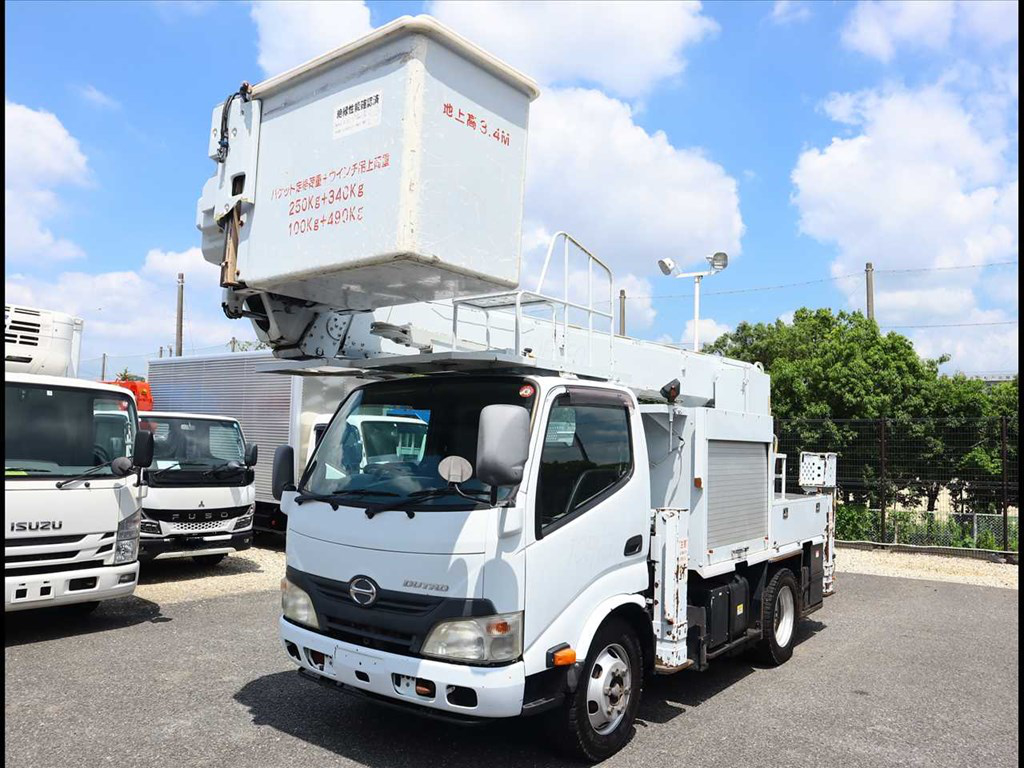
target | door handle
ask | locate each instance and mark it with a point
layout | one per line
(633, 544)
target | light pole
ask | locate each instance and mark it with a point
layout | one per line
(718, 262)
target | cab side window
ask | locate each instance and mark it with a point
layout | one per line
(587, 456)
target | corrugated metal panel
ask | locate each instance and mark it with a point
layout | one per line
(737, 488)
(229, 386)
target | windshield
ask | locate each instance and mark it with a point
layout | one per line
(189, 445)
(386, 441)
(61, 431)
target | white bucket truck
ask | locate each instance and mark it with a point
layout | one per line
(71, 460)
(202, 494)
(586, 510)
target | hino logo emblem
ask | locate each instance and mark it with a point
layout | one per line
(362, 591)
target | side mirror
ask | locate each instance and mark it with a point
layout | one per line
(122, 466)
(142, 451)
(251, 454)
(502, 445)
(284, 471)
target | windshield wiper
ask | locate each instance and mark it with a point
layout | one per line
(222, 467)
(88, 473)
(426, 493)
(175, 465)
(28, 469)
(335, 499)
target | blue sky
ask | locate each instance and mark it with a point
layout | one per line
(803, 138)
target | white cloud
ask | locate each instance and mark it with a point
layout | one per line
(623, 47)
(628, 195)
(919, 186)
(877, 28)
(98, 98)
(990, 22)
(129, 314)
(291, 32)
(790, 11)
(40, 156)
(710, 330)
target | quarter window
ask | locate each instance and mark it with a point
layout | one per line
(587, 454)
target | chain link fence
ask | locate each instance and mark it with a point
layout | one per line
(920, 482)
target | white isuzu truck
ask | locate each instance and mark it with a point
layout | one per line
(72, 457)
(202, 495)
(585, 509)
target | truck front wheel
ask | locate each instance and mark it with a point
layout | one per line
(780, 612)
(597, 720)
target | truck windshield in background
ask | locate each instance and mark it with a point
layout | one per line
(385, 443)
(57, 432)
(187, 448)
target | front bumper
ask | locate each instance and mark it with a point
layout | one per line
(66, 587)
(498, 690)
(164, 547)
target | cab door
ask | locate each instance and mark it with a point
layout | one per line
(588, 502)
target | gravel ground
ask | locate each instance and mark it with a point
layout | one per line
(260, 569)
(257, 569)
(889, 672)
(912, 565)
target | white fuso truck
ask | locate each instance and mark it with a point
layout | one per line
(584, 509)
(202, 496)
(71, 461)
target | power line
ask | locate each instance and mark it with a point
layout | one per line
(857, 275)
(951, 325)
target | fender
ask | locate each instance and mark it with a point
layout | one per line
(597, 617)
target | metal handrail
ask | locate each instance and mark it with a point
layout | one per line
(515, 300)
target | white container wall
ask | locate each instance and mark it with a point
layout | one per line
(388, 171)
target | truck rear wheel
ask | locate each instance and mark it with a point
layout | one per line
(596, 721)
(780, 613)
(209, 561)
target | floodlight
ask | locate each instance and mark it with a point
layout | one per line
(719, 261)
(666, 266)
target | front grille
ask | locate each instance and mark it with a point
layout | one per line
(33, 570)
(35, 541)
(182, 516)
(398, 622)
(216, 525)
(42, 556)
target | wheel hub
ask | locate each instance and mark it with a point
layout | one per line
(608, 690)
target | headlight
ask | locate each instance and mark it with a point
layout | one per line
(485, 639)
(297, 606)
(243, 522)
(126, 546)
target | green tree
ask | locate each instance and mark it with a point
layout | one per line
(127, 375)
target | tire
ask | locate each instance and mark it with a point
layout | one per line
(208, 561)
(582, 727)
(780, 615)
(82, 609)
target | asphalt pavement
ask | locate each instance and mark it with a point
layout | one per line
(890, 672)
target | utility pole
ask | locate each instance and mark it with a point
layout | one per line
(103, 368)
(161, 353)
(622, 312)
(233, 342)
(869, 278)
(181, 309)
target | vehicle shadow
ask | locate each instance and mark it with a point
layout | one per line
(21, 627)
(377, 736)
(187, 569)
(669, 696)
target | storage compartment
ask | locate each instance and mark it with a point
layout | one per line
(717, 616)
(739, 602)
(386, 172)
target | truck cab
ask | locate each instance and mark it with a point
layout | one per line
(201, 496)
(533, 557)
(71, 505)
